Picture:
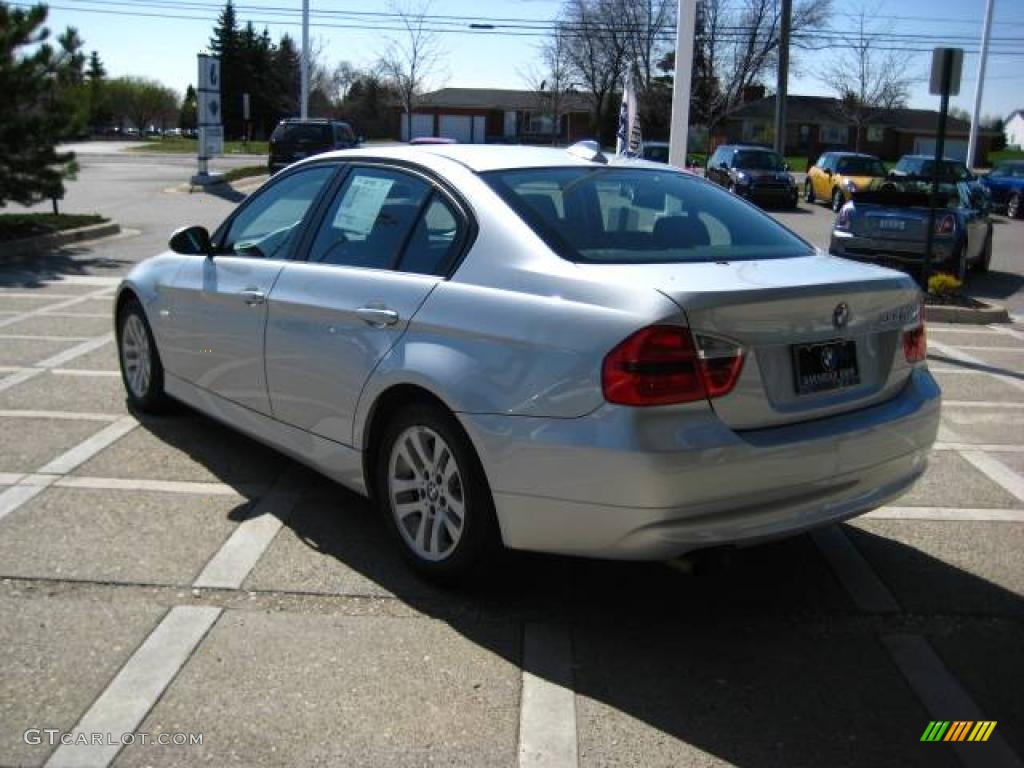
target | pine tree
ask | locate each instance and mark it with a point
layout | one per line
(37, 90)
(226, 44)
(188, 116)
(95, 75)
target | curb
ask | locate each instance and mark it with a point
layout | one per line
(991, 313)
(29, 246)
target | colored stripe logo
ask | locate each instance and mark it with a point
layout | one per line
(958, 730)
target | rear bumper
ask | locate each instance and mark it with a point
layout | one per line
(888, 252)
(654, 483)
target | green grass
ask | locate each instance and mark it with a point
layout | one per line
(797, 163)
(14, 226)
(184, 146)
(994, 158)
(245, 172)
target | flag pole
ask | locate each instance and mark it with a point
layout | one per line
(686, 26)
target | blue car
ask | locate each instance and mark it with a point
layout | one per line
(1006, 185)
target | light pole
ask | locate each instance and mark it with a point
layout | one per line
(686, 27)
(304, 63)
(972, 142)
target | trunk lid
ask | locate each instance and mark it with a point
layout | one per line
(775, 306)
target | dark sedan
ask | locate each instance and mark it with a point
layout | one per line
(1006, 185)
(887, 224)
(756, 173)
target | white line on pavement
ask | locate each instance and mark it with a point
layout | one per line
(110, 282)
(997, 472)
(78, 350)
(34, 337)
(89, 315)
(980, 404)
(948, 514)
(950, 445)
(84, 451)
(163, 486)
(10, 478)
(45, 296)
(978, 348)
(69, 302)
(14, 379)
(954, 353)
(19, 494)
(65, 415)
(137, 687)
(861, 582)
(82, 372)
(547, 716)
(233, 562)
(945, 699)
(1007, 332)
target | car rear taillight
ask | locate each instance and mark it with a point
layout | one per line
(662, 364)
(944, 225)
(915, 344)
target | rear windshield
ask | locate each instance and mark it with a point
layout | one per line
(634, 215)
(295, 132)
(757, 161)
(860, 166)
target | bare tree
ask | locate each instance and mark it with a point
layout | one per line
(868, 82)
(737, 44)
(414, 57)
(552, 79)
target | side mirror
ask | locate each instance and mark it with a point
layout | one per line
(723, 165)
(785, 166)
(828, 171)
(191, 241)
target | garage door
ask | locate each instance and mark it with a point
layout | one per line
(955, 149)
(458, 127)
(422, 125)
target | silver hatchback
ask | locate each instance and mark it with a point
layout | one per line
(541, 349)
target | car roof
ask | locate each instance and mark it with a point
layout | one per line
(749, 147)
(481, 158)
(851, 154)
(930, 157)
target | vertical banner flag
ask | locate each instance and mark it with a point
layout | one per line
(628, 138)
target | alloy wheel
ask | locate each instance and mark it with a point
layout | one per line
(1013, 207)
(136, 357)
(427, 493)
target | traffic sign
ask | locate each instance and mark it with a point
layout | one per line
(211, 140)
(209, 108)
(943, 58)
(209, 73)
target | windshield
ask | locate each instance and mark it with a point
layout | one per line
(860, 166)
(633, 216)
(758, 161)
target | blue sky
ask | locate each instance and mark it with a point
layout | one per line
(163, 46)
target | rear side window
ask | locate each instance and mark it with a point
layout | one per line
(434, 241)
(631, 215)
(370, 218)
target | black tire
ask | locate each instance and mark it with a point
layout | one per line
(1014, 209)
(809, 192)
(837, 199)
(985, 260)
(479, 539)
(145, 395)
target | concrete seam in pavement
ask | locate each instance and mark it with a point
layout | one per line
(862, 584)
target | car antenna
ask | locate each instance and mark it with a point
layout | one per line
(588, 150)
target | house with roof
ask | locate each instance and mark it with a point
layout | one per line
(815, 124)
(1013, 127)
(488, 115)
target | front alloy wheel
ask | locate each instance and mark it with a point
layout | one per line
(141, 369)
(808, 191)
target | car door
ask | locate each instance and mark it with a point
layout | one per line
(383, 244)
(823, 178)
(218, 305)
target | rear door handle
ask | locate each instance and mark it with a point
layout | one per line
(378, 317)
(253, 296)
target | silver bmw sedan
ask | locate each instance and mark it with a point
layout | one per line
(540, 349)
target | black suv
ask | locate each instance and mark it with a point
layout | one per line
(294, 139)
(756, 173)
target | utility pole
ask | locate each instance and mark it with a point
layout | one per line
(972, 143)
(782, 86)
(686, 26)
(304, 64)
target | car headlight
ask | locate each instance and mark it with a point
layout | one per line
(742, 178)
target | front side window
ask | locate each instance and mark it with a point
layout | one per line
(267, 227)
(370, 219)
(630, 215)
(758, 161)
(860, 166)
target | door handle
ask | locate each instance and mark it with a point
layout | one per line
(253, 296)
(378, 317)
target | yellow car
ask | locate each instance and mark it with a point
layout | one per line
(837, 175)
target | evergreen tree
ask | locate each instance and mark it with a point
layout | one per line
(225, 44)
(286, 78)
(188, 117)
(37, 90)
(95, 75)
